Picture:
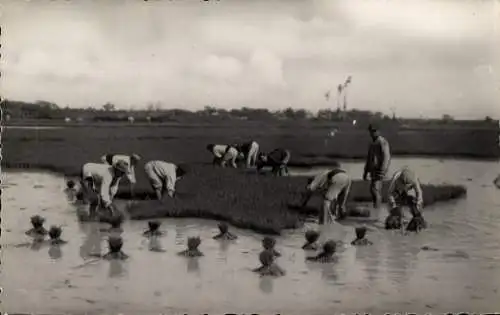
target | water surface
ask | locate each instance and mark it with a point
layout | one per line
(392, 275)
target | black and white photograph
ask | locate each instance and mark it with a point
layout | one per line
(266, 157)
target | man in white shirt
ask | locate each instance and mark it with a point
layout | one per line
(223, 154)
(100, 183)
(335, 184)
(132, 160)
(403, 182)
(249, 151)
(163, 176)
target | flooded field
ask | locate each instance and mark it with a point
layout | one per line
(393, 275)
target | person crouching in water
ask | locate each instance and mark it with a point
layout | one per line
(223, 154)
(163, 176)
(132, 160)
(268, 266)
(402, 183)
(335, 184)
(250, 151)
(100, 185)
(278, 160)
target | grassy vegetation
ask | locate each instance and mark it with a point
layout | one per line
(262, 203)
(310, 144)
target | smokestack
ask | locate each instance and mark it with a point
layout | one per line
(346, 84)
(339, 95)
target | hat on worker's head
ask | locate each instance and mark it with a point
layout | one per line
(135, 157)
(122, 166)
(373, 127)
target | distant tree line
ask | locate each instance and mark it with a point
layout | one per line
(43, 110)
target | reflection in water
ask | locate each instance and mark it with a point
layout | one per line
(266, 284)
(327, 270)
(193, 265)
(224, 245)
(399, 258)
(155, 244)
(92, 241)
(55, 252)
(369, 256)
(180, 232)
(116, 268)
(37, 244)
(457, 225)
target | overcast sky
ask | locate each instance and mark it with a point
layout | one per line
(420, 57)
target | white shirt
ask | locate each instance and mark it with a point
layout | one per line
(220, 150)
(165, 171)
(131, 170)
(403, 181)
(319, 182)
(103, 175)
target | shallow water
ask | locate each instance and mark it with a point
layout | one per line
(392, 275)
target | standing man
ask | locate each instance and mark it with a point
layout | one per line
(132, 160)
(223, 154)
(163, 176)
(377, 164)
(335, 185)
(278, 159)
(403, 182)
(100, 184)
(250, 151)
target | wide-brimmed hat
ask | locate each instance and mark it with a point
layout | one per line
(122, 166)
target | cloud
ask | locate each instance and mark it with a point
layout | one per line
(220, 68)
(273, 54)
(267, 67)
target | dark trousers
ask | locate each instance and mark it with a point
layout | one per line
(410, 202)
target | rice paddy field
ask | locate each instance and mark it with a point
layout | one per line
(241, 197)
(453, 266)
